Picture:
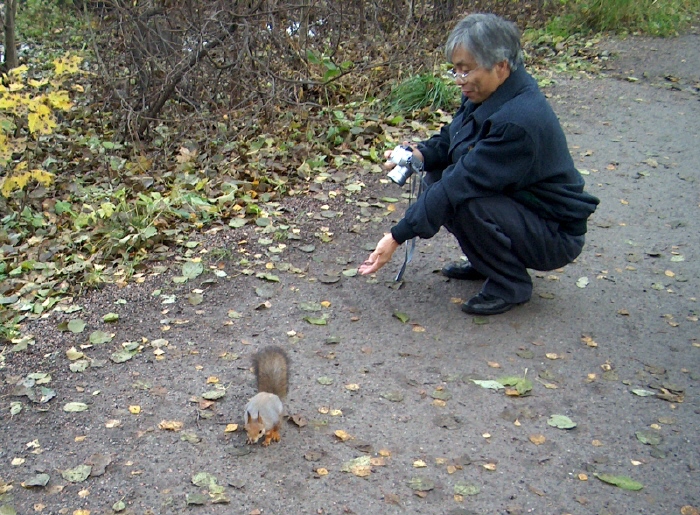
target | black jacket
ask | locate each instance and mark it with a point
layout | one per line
(511, 144)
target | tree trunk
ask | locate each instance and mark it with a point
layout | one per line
(10, 49)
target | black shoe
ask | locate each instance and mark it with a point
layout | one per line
(485, 304)
(462, 272)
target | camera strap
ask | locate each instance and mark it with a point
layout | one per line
(414, 192)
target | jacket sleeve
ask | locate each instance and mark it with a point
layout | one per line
(435, 150)
(494, 166)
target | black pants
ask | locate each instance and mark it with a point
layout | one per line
(502, 239)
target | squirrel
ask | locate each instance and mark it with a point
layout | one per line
(263, 413)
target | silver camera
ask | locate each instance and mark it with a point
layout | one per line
(406, 164)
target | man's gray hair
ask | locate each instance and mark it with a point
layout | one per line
(489, 38)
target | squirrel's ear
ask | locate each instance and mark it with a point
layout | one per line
(247, 418)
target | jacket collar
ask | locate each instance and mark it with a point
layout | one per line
(516, 81)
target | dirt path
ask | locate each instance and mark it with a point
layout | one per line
(586, 344)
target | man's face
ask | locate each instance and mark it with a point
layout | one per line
(480, 83)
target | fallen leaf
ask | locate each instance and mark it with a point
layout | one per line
(537, 439)
(561, 422)
(421, 484)
(342, 435)
(75, 407)
(624, 482)
(171, 425)
(77, 474)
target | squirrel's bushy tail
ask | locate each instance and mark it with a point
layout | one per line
(271, 366)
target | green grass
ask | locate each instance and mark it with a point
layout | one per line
(50, 22)
(651, 17)
(421, 91)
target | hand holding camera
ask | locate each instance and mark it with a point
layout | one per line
(406, 164)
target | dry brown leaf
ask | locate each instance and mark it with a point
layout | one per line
(342, 435)
(537, 439)
(171, 425)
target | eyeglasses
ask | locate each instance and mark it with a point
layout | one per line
(459, 76)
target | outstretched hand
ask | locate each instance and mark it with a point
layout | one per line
(381, 255)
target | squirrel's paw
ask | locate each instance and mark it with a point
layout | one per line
(272, 436)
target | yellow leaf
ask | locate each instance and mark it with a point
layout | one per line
(42, 176)
(230, 428)
(321, 471)
(342, 435)
(43, 124)
(8, 102)
(134, 410)
(537, 439)
(60, 100)
(16, 72)
(171, 425)
(37, 83)
(419, 464)
(67, 64)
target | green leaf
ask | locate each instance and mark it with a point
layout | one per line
(421, 484)
(268, 277)
(196, 499)
(466, 489)
(624, 482)
(316, 320)
(76, 325)
(204, 479)
(6, 509)
(491, 385)
(643, 393)
(118, 506)
(38, 480)
(649, 437)
(77, 474)
(110, 317)
(561, 422)
(122, 356)
(191, 270)
(401, 316)
(213, 395)
(75, 407)
(97, 337)
(521, 384)
(324, 380)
